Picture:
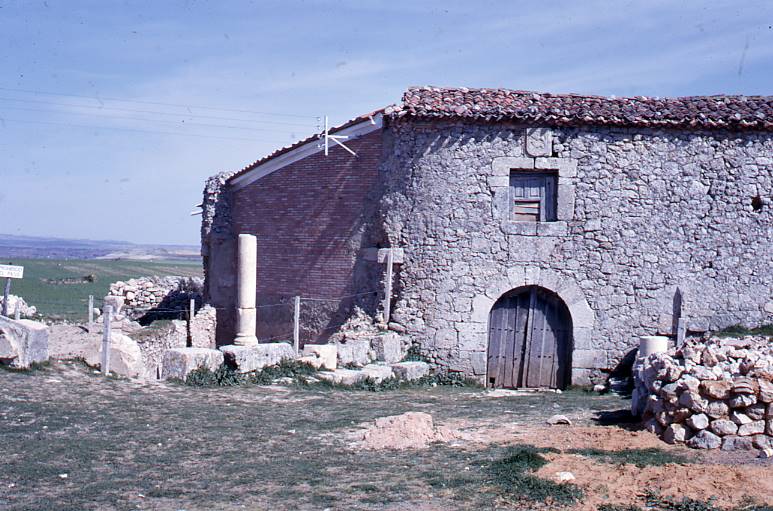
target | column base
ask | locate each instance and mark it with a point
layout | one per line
(246, 340)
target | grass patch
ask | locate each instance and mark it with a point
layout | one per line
(639, 457)
(657, 502)
(305, 375)
(33, 368)
(513, 476)
(741, 331)
(54, 300)
(225, 376)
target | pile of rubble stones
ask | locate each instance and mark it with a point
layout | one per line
(709, 393)
(14, 302)
(145, 293)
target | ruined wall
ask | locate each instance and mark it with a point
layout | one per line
(640, 213)
(218, 253)
(311, 219)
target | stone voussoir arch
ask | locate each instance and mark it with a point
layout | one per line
(583, 317)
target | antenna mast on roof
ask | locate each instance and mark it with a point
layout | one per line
(335, 138)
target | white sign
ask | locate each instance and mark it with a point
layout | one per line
(14, 272)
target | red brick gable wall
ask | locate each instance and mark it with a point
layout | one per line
(309, 218)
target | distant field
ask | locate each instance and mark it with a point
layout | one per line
(44, 280)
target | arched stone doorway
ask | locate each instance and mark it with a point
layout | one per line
(529, 340)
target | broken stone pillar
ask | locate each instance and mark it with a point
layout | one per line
(246, 318)
(649, 344)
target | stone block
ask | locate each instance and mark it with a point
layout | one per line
(704, 440)
(676, 433)
(246, 359)
(116, 302)
(343, 376)
(539, 142)
(22, 342)
(326, 355)
(354, 352)
(737, 443)
(388, 347)
(125, 356)
(582, 338)
(589, 359)
(409, 371)
(481, 307)
(752, 428)
(724, 427)
(479, 362)
(378, 372)
(177, 363)
(503, 165)
(581, 376)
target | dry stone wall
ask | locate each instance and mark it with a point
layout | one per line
(168, 293)
(642, 212)
(710, 394)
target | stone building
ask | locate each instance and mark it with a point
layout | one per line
(539, 234)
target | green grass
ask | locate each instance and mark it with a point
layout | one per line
(656, 502)
(513, 476)
(740, 331)
(70, 301)
(639, 457)
(305, 375)
(245, 447)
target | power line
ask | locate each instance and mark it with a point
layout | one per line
(176, 123)
(154, 112)
(175, 105)
(136, 130)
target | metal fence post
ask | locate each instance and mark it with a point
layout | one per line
(91, 310)
(107, 314)
(297, 325)
(17, 312)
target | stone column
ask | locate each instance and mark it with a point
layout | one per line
(246, 318)
(649, 344)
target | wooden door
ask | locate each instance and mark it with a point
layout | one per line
(529, 341)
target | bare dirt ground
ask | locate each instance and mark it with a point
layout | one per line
(74, 440)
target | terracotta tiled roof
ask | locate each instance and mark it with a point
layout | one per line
(707, 112)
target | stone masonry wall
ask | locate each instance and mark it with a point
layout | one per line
(640, 213)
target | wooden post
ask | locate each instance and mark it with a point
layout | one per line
(297, 324)
(17, 313)
(191, 314)
(6, 292)
(107, 316)
(91, 310)
(388, 286)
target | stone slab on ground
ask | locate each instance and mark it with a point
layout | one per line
(321, 356)
(388, 347)
(354, 352)
(246, 359)
(125, 356)
(343, 376)
(378, 372)
(177, 363)
(22, 342)
(410, 370)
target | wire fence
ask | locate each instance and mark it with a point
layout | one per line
(297, 319)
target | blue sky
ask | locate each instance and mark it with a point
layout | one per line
(215, 85)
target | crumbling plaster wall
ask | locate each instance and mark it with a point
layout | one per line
(641, 212)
